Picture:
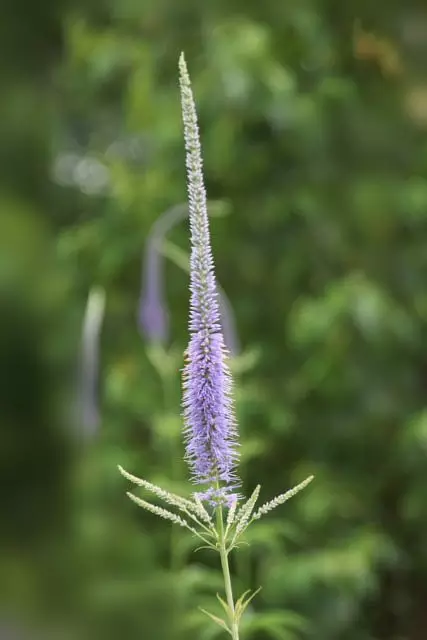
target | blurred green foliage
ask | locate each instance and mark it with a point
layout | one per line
(313, 118)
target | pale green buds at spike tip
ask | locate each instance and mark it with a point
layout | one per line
(159, 511)
(283, 497)
(245, 512)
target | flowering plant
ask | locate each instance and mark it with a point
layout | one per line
(217, 513)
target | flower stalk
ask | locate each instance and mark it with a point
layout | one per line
(213, 513)
(223, 552)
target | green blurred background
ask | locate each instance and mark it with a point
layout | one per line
(313, 117)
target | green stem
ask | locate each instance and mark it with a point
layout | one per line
(227, 578)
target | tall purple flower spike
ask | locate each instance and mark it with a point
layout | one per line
(210, 427)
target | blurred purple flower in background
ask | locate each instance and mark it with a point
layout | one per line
(153, 316)
(228, 322)
(89, 366)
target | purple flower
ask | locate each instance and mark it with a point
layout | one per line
(153, 316)
(228, 324)
(152, 313)
(210, 428)
(91, 332)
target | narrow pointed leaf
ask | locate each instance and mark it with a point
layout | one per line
(243, 605)
(240, 600)
(217, 620)
(223, 604)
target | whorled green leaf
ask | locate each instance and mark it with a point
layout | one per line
(219, 621)
(242, 604)
(224, 605)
